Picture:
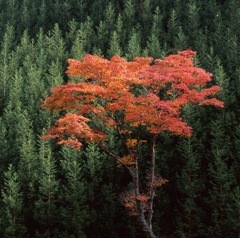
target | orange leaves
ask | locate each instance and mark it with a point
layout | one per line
(189, 54)
(158, 182)
(142, 198)
(174, 69)
(129, 200)
(127, 160)
(131, 143)
(70, 128)
(73, 95)
(157, 115)
(92, 67)
(74, 67)
(212, 101)
(182, 59)
(211, 91)
(120, 94)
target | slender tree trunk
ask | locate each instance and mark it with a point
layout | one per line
(152, 187)
(146, 223)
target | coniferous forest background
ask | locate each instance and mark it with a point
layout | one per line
(51, 191)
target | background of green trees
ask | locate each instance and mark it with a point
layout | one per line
(52, 191)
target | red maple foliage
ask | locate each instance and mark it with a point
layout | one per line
(129, 97)
(113, 89)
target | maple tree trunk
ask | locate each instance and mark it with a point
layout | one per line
(146, 223)
(151, 184)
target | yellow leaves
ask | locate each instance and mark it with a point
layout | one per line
(125, 132)
(127, 160)
(131, 143)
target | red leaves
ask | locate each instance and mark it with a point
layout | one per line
(212, 101)
(158, 182)
(129, 200)
(76, 126)
(128, 95)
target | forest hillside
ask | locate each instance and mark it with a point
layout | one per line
(49, 190)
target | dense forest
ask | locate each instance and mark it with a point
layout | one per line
(48, 190)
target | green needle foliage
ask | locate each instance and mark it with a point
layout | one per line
(12, 206)
(47, 191)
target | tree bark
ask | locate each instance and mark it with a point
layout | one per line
(152, 187)
(146, 222)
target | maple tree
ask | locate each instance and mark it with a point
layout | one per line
(139, 100)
